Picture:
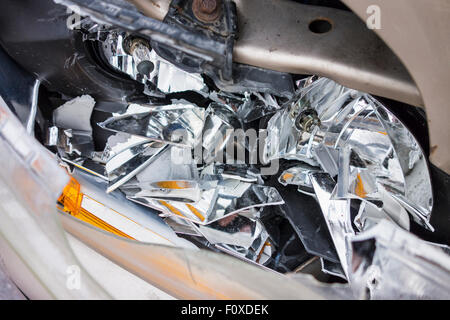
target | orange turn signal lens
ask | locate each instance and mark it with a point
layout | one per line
(71, 202)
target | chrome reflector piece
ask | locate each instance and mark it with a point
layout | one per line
(336, 214)
(206, 201)
(141, 63)
(357, 141)
(177, 124)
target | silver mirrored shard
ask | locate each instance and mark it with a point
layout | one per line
(350, 135)
(372, 161)
(220, 125)
(370, 214)
(231, 99)
(177, 124)
(391, 263)
(242, 172)
(170, 79)
(259, 252)
(135, 165)
(294, 131)
(172, 190)
(256, 106)
(236, 196)
(173, 164)
(328, 159)
(115, 53)
(284, 141)
(218, 200)
(116, 166)
(233, 230)
(298, 175)
(70, 143)
(87, 165)
(120, 142)
(336, 214)
(182, 226)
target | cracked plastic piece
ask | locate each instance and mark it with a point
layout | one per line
(85, 199)
(75, 114)
(31, 182)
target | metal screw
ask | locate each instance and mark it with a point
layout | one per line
(206, 10)
(208, 6)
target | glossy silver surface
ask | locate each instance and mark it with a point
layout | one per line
(120, 142)
(298, 175)
(132, 167)
(164, 76)
(220, 125)
(218, 200)
(256, 105)
(350, 135)
(336, 214)
(176, 124)
(70, 143)
(237, 231)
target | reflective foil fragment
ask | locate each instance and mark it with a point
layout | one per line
(336, 214)
(349, 134)
(218, 200)
(178, 124)
(220, 125)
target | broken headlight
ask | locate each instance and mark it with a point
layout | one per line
(283, 179)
